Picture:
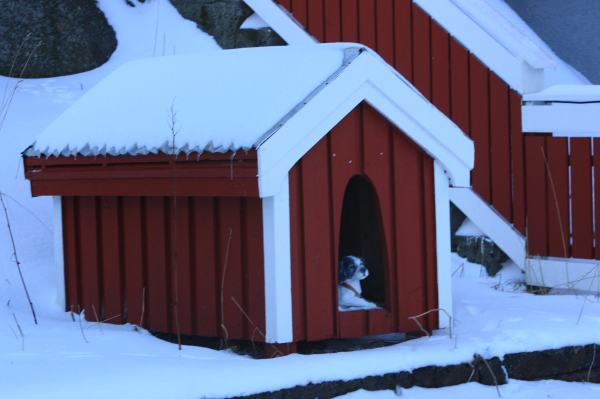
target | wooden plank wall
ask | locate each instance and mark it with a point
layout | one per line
(121, 252)
(446, 73)
(527, 178)
(402, 176)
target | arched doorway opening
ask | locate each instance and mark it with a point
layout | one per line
(361, 234)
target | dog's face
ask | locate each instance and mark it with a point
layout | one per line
(352, 268)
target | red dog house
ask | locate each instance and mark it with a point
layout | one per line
(214, 194)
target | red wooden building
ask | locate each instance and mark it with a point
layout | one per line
(235, 229)
(534, 187)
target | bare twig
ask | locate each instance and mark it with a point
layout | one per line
(175, 269)
(143, 307)
(81, 329)
(20, 332)
(256, 329)
(589, 373)
(97, 319)
(487, 365)
(16, 258)
(450, 321)
(223, 275)
(36, 217)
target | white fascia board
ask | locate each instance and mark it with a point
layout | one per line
(365, 79)
(281, 21)
(442, 243)
(490, 52)
(564, 273)
(561, 119)
(278, 266)
(59, 262)
(491, 223)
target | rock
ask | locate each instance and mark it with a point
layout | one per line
(488, 372)
(436, 377)
(481, 250)
(569, 361)
(222, 20)
(53, 38)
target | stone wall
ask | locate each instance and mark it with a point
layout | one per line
(53, 38)
(222, 20)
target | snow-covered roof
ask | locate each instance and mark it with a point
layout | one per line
(217, 101)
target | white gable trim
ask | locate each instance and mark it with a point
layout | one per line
(368, 79)
(281, 21)
(520, 71)
(514, 69)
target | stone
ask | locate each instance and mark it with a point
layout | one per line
(53, 38)
(481, 250)
(222, 20)
(552, 363)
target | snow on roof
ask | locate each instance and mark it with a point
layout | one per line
(216, 101)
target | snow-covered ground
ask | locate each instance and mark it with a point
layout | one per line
(493, 316)
(65, 358)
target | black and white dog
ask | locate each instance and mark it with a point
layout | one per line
(352, 270)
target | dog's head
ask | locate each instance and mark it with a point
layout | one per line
(352, 268)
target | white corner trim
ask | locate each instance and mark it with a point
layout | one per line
(369, 79)
(491, 223)
(278, 267)
(59, 262)
(564, 273)
(281, 21)
(442, 243)
(494, 54)
(561, 119)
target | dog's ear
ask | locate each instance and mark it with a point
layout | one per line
(344, 269)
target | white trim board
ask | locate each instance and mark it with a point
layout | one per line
(561, 119)
(278, 266)
(59, 262)
(442, 242)
(366, 78)
(564, 273)
(491, 223)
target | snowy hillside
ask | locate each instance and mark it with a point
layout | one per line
(66, 357)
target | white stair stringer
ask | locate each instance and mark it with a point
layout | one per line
(491, 223)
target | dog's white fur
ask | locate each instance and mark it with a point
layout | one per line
(348, 299)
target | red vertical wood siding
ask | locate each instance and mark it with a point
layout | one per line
(169, 255)
(364, 143)
(581, 191)
(510, 172)
(454, 80)
(557, 168)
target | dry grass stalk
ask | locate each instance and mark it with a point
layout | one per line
(20, 332)
(222, 289)
(175, 270)
(589, 373)
(450, 321)
(256, 329)
(97, 319)
(487, 365)
(81, 329)
(143, 307)
(16, 258)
